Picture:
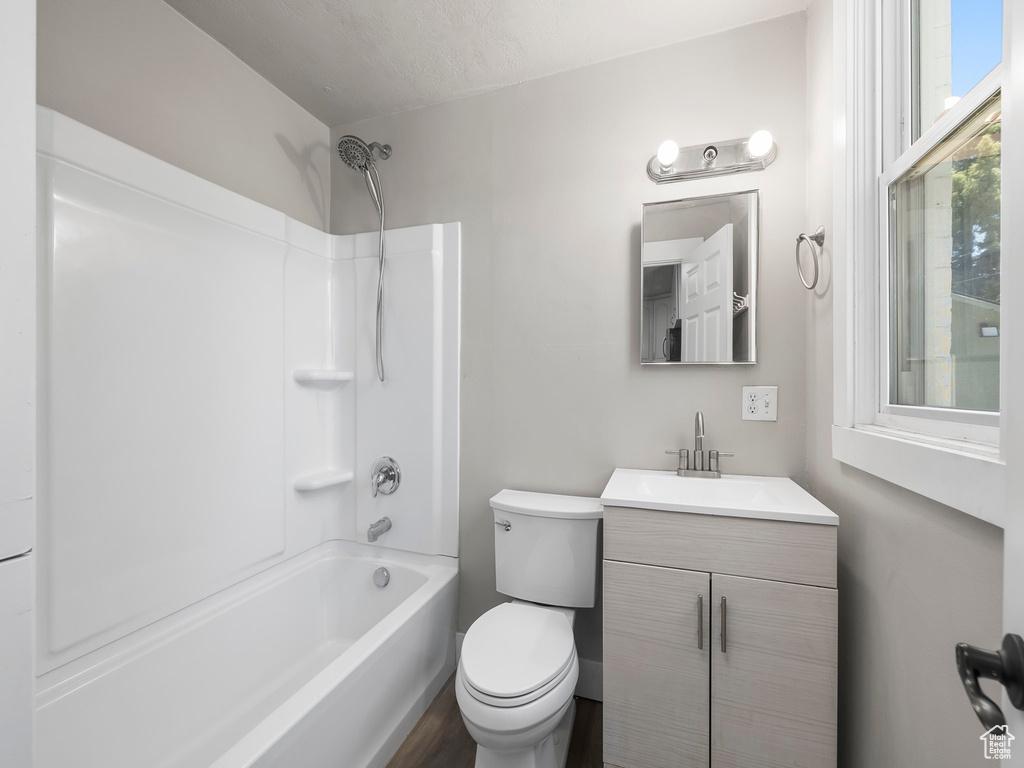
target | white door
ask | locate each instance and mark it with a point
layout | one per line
(1013, 530)
(17, 380)
(1013, 578)
(705, 300)
(16, 662)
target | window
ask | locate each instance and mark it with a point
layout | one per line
(954, 45)
(944, 271)
(919, 328)
(939, 230)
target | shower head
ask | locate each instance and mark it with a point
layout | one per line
(358, 155)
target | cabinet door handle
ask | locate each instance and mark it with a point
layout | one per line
(724, 614)
(700, 622)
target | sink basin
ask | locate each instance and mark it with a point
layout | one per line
(766, 498)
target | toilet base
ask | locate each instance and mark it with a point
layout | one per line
(550, 753)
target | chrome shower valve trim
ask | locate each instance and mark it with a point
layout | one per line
(385, 476)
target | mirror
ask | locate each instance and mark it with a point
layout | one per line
(698, 281)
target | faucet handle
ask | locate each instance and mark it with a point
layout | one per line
(385, 476)
(713, 457)
(684, 457)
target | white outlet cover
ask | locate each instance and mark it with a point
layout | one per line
(760, 404)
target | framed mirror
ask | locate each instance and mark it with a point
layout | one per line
(698, 280)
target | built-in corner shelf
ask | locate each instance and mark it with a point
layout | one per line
(325, 378)
(325, 479)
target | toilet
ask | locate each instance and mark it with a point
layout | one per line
(518, 669)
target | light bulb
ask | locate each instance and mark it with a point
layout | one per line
(667, 153)
(760, 144)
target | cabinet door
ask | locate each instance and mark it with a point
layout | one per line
(773, 689)
(656, 679)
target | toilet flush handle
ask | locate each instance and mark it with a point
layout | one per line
(503, 524)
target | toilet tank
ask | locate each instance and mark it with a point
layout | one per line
(545, 547)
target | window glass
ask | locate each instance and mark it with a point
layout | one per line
(956, 43)
(944, 271)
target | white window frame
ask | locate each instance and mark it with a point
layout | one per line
(955, 457)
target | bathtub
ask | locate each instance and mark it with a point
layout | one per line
(306, 665)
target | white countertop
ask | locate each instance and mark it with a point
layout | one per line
(761, 498)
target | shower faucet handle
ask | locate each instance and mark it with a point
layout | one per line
(385, 476)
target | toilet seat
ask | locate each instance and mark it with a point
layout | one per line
(515, 701)
(516, 653)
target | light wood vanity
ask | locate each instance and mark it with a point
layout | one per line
(720, 637)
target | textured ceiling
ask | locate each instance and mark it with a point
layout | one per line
(346, 60)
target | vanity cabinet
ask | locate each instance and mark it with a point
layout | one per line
(719, 641)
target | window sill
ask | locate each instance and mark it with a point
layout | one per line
(965, 476)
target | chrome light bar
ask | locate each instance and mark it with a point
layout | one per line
(673, 163)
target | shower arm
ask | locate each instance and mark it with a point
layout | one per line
(383, 150)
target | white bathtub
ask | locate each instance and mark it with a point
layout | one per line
(307, 665)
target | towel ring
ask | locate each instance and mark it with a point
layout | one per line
(819, 238)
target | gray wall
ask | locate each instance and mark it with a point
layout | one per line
(142, 73)
(915, 577)
(548, 178)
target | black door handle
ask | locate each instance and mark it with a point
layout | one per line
(1005, 665)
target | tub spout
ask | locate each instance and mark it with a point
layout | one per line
(378, 529)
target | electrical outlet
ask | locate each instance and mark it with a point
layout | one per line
(760, 403)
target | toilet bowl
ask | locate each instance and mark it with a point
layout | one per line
(515, 684)
(518, 669)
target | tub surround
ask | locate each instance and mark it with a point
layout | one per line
(188, 451)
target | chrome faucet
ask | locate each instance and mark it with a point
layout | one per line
(698, 441)
(697, 469)
(378, 529)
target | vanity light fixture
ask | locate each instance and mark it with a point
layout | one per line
(701, 160)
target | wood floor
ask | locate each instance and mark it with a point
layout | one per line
(440, 739)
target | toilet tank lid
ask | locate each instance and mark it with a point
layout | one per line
(548, 505)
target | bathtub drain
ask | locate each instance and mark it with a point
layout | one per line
(381, 577)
